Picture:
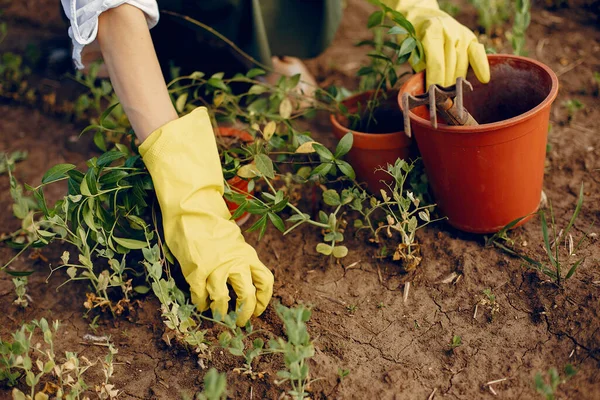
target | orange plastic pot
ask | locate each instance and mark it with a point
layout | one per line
(372, 151)
(237, 184)
(483, 177)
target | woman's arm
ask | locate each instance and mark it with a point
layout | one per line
(134, 70)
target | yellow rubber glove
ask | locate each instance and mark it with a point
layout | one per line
(184, 164)
(449, 46)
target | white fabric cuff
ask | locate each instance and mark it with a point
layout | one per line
(84, 14)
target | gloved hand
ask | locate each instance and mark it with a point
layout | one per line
(184, 164)
(449, 46)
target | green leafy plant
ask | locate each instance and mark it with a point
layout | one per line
(24, 356)
(522, 19)
(555, 265)
(547, 385)
(215, 386)
(455, 342)
(394, 43)
(492, 13)
(343, 373)
(403, 214)
(489, 302)
(21, 291)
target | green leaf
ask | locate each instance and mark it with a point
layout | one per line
(375, 19)
(257, 89)
(57, 172)
(324, 249)
(574, 268)
(262, 222)
(217, 83)
(99, 140)
(323, 152)
(380, 57)
(180, 102)
(131, 244)
(107, 112)
(344, 146)
(340, 251)
(408, 45)
(108, 157)
(277, 221)
(346, 169)
(254, 72)
(264, 165)
(112, 177)
(331, 197)
(397, 30)
(365, 71)
(90, 183)
(403, 22)
(141, 289)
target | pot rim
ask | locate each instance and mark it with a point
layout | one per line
(494, 125)
(381, 136)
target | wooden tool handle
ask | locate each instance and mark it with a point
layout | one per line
(449, 111)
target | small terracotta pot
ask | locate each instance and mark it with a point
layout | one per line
(238, 184)
(371, 151)
(483, 177)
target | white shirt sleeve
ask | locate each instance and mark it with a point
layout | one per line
(83, 15)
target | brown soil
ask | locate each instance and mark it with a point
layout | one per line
(393, 349)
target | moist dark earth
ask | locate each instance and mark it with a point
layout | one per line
(394, 349)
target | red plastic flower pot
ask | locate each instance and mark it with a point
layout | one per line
(237, 184)
(372, 151)
(484, 177)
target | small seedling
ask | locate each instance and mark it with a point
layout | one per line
(547, 385)
(455, 342)
(215, 386)
(573, 106)
(352, 308)
(342, 373)
(21, 291)
(554, 266)
(381, 305)
(489, 302)
(94, 324)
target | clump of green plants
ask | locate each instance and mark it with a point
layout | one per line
(492, 14)
(394, 44)
(14, 73)
(547, 384)
(24, 356)
(296, 348)
(522, 19)
(573, 106)
(404, 214)
(557, 267)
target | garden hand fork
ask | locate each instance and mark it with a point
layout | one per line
(448, 101)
